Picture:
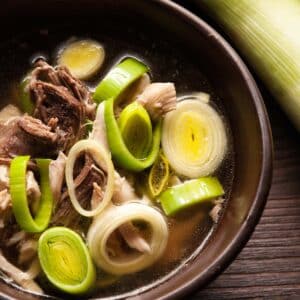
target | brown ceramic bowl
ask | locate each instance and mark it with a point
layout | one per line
(229, 79)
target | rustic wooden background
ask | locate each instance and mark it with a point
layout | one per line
(269, 266)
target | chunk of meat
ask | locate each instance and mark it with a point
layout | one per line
(28, 136)
(90, 174)
(59, 95)
(158, 99)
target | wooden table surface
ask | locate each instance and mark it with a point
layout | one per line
(269, 266)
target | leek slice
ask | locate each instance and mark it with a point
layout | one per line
(136, 129)
(119, 79)
(107, 222)
(17, 178)
(118, 148)
(102, 158)
(194, 138)
(159, 175)
(83, 58)
(66, 260)
(189, 193)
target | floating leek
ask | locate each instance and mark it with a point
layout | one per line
(17, 178)
(159, 175)
(189, 193)
(267, 34)
(119, 150)
(83, 58)
(194, 138)
(66, 260)
(136, 129)
(102, 158)
(108, 221)
(119, 79)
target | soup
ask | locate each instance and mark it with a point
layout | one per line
(117, 153)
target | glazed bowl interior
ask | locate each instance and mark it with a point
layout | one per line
(169, 38)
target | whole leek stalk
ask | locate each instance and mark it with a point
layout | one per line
(267, 32)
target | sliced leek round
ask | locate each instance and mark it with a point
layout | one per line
(121, 154)
(194, 138)
(66, 261)
(108, 221)
(17, 187)
(102, 158)
(136, 129)
(119, 78)
(189, 193)
(83, 58)
(159, 175)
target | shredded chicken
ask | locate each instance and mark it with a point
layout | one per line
(33, 190)
(124, 192)
(4, 179)
(158, 99)
(133, 238)
(16, 238)
(99, 130)
(24, 279)
(27, 250)
(215, 211)
(97, 195)
(8, 112)
(56, 175)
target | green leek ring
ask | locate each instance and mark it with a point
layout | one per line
(102, 158)
(189, 193)
(119, 151)
(66, 261)
(20, 206)
(119, 78)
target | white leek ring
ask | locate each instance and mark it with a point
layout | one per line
(194, 138)
(106, 223)
(103, 159)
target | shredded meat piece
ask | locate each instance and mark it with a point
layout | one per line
(158, 99)
(123, 192)
(84, 182)
(27, 136)
(56, 175)
(215, 211)
(133, 237)
(62, 101)
(24, 279)
(98, 133)
(27, 250)
(8, 112)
